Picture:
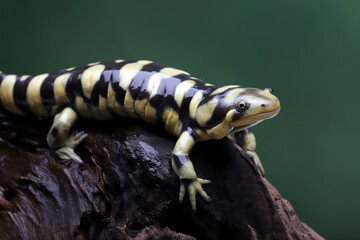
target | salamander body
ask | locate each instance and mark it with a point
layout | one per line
(172, 99)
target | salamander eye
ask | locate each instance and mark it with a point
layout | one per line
(241, 106)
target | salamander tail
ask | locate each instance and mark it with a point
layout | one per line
(7, 100)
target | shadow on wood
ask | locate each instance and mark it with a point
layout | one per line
(126, 188)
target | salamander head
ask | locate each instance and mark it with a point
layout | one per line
(251, 107)
(236, 109)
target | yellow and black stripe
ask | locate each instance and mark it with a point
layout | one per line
(167, 97)
(123, 88)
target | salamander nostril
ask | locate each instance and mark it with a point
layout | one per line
(263, 105)
(269, 90)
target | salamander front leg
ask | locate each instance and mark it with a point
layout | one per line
(246, 140)
(184, 168)
(58, 137)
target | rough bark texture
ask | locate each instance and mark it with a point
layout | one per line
(126, 189)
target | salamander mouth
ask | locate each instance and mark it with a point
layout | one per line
(257, 118)
(238, 128)
(275, 110)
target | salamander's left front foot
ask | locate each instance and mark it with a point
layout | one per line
(246, 140)
(193, 186)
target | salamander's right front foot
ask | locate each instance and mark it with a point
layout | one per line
(193, 186)
(184, 168)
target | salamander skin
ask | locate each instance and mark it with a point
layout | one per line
(182, 105)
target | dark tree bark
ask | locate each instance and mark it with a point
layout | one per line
(126, 188)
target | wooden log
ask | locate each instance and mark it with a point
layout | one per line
(126, 188)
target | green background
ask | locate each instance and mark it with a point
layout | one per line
(307, 51)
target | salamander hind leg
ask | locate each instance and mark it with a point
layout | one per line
(246, 140)
(184, 168)
(59, 137)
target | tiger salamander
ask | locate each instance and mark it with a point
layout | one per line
(172, 99)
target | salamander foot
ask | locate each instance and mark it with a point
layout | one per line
(193, 186)
(67, 151)
(253, 155)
